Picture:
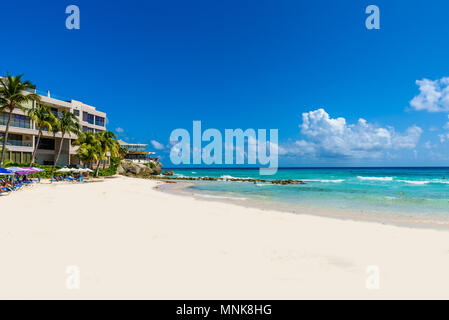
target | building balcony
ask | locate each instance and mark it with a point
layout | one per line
(20, 148)
(15, 124)
(18, 143)
(19, 130)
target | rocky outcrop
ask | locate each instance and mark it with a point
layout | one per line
(289, 181)
(153, 170)
(281, 182)
(139, 170)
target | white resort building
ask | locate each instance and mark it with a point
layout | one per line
(23, 134)
(137, 152)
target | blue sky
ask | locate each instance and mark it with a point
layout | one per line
(155, 66)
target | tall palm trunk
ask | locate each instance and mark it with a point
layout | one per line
(59, 153)
(5, 139)
(98, 168)
(33, 156)
(104, 163)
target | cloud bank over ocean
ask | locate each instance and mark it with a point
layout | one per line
(335, 137)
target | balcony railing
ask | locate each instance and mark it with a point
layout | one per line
(53, 96)
(18, 143)
(17, 124)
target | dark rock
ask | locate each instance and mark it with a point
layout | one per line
(289, 181)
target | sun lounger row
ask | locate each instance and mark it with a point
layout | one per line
(67, 178)
(8, 185)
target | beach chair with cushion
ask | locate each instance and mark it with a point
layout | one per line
(5, 191)
(37, 180)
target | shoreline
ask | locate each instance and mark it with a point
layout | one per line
(182, 187)
(133, 242)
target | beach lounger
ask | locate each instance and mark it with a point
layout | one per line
(55, 179)
(5, 191)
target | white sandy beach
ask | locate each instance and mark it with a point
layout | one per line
(131, 241)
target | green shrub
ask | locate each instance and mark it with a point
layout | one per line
(47, 173)
(112, 170)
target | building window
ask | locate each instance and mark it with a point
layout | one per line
(89, 118)
(99, 121)
(76, 112)
(14, 140)
(55, 112)
(26, 157)
(135, 147)
(46, 144)
(15, 157)
(17, 121)
(87, 129)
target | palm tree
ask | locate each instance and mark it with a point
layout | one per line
(114, 152)
(44, 119)
(122, 152)
(1, 139)
(108, 143)
(89, 149)
(13, 95)
(67, 123)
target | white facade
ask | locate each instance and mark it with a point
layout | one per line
(23, 134)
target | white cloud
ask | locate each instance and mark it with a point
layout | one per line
(119, 130)
(443, 137)
(156, 145)
(328, 137)
(433, 96)
(429, 145)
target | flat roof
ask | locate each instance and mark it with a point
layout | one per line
(123, 143)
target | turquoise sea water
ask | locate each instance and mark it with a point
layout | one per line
(415, 194)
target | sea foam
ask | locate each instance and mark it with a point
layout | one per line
(324, 180)
(375, 178)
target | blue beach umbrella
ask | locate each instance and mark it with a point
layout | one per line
(5, 172)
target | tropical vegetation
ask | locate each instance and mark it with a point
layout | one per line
(67, 123)
(14, 94)
(95, 147)
(44, 120)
